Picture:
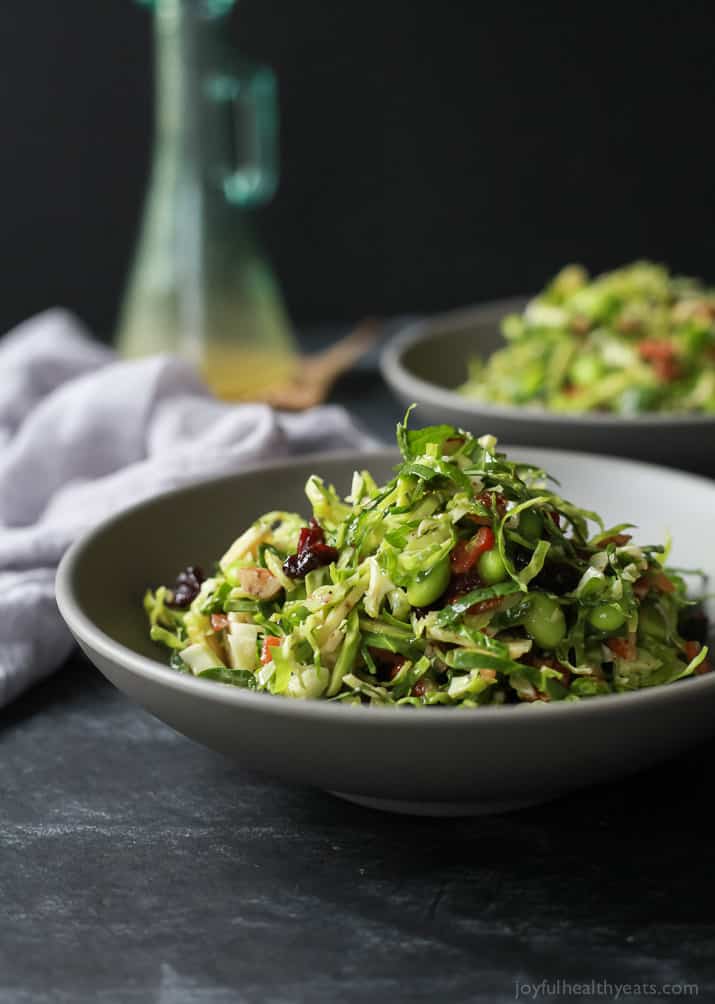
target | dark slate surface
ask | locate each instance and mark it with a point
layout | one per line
(137, 866)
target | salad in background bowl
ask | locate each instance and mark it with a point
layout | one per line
(623, 364)
(631, 341)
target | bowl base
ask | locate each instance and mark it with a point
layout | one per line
(486, 807)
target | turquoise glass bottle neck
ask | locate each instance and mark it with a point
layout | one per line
(189, 44)
(213, 106)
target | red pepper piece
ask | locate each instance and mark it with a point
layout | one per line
(467, 552)
(270, 641)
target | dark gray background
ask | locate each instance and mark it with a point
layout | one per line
(433, 154)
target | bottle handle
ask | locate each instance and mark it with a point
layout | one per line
(244, 108)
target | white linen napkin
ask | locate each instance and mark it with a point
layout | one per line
(83, 434)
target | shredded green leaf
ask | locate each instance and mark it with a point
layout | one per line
(461, 582)
(631, 341)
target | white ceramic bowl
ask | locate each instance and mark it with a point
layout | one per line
(434, 760)
(428, 360)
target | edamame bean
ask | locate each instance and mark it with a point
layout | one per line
(606, 617)
(586, 369)
(544, 621)
(491, 567)
(429, 586)
(530, 524)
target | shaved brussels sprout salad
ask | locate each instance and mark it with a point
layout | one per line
(630, 341)
(465, 580)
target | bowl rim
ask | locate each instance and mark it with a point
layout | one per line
(397, 375)
(86, 631)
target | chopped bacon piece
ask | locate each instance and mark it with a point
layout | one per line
(628, 325)
(452, 444)
(491, 500)
(484, 605)
(623, 648)
(536, 660)
(219, 621)
(662, 582)
(701, 310)
(258, 582)
(655, 348)
(420, 688)
(619, 539)
(667, 370)
(652, 580)
(580, 325)
(662, 357)
(692, 648)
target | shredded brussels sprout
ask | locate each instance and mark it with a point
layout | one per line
(463, 581)
(630, 341)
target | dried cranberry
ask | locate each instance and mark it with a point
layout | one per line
(521, 556)
(384, 655)
(555, 577)
(693, 624)
(395, 669)
(188, 584)
(312, 552)
(388, 663)
(460, 585)
(558, 578)
(298, 565)
(494, 500)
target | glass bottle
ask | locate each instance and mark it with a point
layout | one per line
(199, 285)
